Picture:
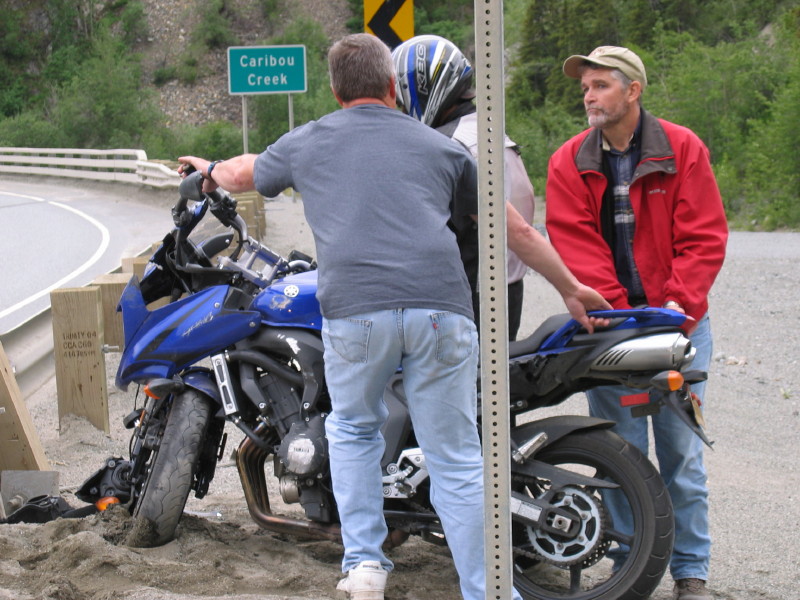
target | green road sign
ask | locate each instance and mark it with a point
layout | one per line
(266, 69)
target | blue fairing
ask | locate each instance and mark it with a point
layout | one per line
(291, 302)
(161, 342)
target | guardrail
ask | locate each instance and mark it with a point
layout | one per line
(122, 166)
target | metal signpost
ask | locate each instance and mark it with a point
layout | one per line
(266, 70)
(489, 86)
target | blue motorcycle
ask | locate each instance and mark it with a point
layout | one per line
(239, 341)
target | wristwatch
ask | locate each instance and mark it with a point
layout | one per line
(671, 304)
(211, 168)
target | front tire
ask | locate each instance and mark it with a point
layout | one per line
(547, 567)
(172, 470)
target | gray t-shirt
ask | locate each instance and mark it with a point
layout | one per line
(378, 188)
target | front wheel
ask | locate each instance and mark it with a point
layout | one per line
(171, 471)
(617, 554)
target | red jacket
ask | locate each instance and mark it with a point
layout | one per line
(681, 229)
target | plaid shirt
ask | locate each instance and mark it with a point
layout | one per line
(623, 164)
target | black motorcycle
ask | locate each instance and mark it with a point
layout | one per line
(239, 341)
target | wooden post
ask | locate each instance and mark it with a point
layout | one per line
(247, 209)
(135, 265)
(111, 286)
(78, 340)
(250, 206)
(20, 447)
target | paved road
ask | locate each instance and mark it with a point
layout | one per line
(63, 233)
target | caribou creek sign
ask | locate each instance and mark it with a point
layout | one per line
(266, 69)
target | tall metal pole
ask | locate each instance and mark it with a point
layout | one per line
(489, 84)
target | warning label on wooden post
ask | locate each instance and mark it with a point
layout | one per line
(78, 348)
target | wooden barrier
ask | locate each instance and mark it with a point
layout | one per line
(111, 286)
(78, 339)
(135, 265)
(20, 447)
(251, 207)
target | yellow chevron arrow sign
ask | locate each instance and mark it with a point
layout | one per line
(390, 20)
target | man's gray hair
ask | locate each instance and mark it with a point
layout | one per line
(360, 66)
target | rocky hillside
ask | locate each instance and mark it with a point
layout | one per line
(170, 23)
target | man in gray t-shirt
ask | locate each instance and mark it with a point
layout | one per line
(378, 189)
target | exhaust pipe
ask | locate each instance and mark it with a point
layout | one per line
(659, 352)
(250, 461)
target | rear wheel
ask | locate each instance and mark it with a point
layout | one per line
(580, 567)
(171, 471)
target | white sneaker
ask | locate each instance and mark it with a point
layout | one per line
(365, 581)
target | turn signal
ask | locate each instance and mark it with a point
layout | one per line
(106, 502)
(151, 393)
(668, 380)
(674, 380)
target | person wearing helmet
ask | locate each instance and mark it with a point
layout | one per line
(434, 85)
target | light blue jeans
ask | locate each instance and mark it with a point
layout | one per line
(438, 353)
(680, 461)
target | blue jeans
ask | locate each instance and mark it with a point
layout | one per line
(438, 352)
(680, 462)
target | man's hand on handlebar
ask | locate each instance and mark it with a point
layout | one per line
(190, 164)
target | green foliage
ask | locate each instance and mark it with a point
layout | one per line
(772, 172)
(133, 22)
(451, 20)
(30, 130)
(269, 8)
(271, 110)
(164, 74)
(214, 29)
(710, 68)
(539, 133)
(212, 32)
(218, 139)
(102, 106)
(17, 49)
(355, 24)
(728, 69)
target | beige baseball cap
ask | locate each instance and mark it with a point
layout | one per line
(612, 57)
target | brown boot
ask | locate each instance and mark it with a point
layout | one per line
(690, 589)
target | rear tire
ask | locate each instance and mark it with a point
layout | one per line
(172, 469)
(542, 573)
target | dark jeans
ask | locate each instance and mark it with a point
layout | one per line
(515, 293)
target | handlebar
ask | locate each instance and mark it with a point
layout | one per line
(248, 250)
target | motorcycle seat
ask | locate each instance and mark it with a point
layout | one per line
(531, 343)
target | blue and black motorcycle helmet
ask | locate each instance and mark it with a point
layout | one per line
(432, 74)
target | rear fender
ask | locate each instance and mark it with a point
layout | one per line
(545, 432)
(555, 428)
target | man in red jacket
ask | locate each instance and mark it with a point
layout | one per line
(635, 212)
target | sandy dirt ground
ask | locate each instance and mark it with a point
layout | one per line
(220, 553)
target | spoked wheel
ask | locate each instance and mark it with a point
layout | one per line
(605, 557)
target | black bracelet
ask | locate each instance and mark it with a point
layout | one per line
(211, 168)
